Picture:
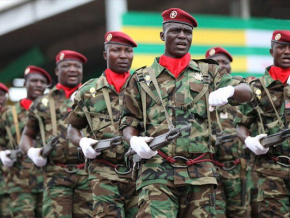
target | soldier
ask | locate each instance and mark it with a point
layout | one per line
(180, 181)
(114, 191)
(67, 192)
(4, 196)
(270, 110)
(232, 195)
(24, 181)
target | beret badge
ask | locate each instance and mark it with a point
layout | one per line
(173, 14)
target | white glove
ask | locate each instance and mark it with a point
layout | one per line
(220, 96)
(86, 145)
(35, 156)
(140, 146)
(288, 80)
(7, 162)
(253, 143)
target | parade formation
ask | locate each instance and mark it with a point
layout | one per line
(179, 138)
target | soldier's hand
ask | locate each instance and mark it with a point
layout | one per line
(253, 143)
(86, 145)
(220, 96)
(7, 162)
(35, 155)
(140, 146)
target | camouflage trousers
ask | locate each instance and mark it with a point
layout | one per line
(254, 194)
(229, 198)
(114, 198)
(5, 208)
(273, 196)
(26, 205)
(67, 195)
(158, 200)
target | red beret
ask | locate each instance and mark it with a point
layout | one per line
(176, 15)
(3, 87)
(218, 50)
(281, 36)
(119, 38)
(35, 69)
(70, 55)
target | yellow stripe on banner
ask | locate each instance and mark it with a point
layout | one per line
(238, 65)
(210, 37)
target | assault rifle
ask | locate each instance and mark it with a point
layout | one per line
(275, 139)
(224, 138)
(14, 154)
(160, 141)
(46, 150)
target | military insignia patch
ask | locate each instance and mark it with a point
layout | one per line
(147, 80)
(109, 37)
(173, 14)
(278, 36)
(197, 76)
(61, 56)
(212, 52)
(258, 93)
(93, 91)
(27, 71)
(44, 102)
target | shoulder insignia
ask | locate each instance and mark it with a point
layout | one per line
(209, 61)
(197, 76)
(140, 69)
(44, 101)
(258, 93)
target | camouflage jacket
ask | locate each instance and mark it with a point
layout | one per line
(2, 147)
(24, 176)
(176, 93)
(64, 152)
(280, 95)
(91, 95)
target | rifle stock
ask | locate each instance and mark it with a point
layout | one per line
(224, 138)
(46, 150)
(275, 139)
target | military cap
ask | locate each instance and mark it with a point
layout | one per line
(281, 36)
(70, 55)
(116, 37)
(176, 15)
(35, 69)
(3, 87)
(218, 50)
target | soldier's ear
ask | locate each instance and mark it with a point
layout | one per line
(271, 51)
(105, 55)
(162, 36)
(56, 71)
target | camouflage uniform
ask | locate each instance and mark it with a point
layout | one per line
(67, 192)
(164, 189)
(273, 183)
(230, 154)
(4, 196)
(114, 194)
(24, 181)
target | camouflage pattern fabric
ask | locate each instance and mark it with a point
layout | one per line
(264, 164)
(24, 178)
(61, 196)
(177, 94)
(5, 206)
(67, 195)
(229, 193)
(157, 200)
(103, 177)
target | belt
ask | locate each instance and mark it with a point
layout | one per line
(115, 166)
(205, 157)
(68, 167)
(227, 165)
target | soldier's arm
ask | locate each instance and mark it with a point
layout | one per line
(74, 135)
(27, 139)
(129, 132)
(243, 93)
(242, 132)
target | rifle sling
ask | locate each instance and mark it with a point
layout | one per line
(89, 118)
(52, 114)
(16, 123)
(42, 131)
(109, 108)
(10, 137)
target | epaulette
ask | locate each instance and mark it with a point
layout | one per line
(139, 69)
(139, 74)
(209, 61)
(86, 83)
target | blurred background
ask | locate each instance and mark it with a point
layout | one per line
(32, 32)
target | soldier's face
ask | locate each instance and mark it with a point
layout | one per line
(281, 55)
(119, 57)
(3, 99)
(35, 85)
(223, 61)
(69, 72)
(178, 38)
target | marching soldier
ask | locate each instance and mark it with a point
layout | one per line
(67, 192)
(4, 196)
(232, 195)
(97, 107)
(24, 181)
(270, 110)
(174, 92)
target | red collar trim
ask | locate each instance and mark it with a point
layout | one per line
(68, 90)
(115, 79)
